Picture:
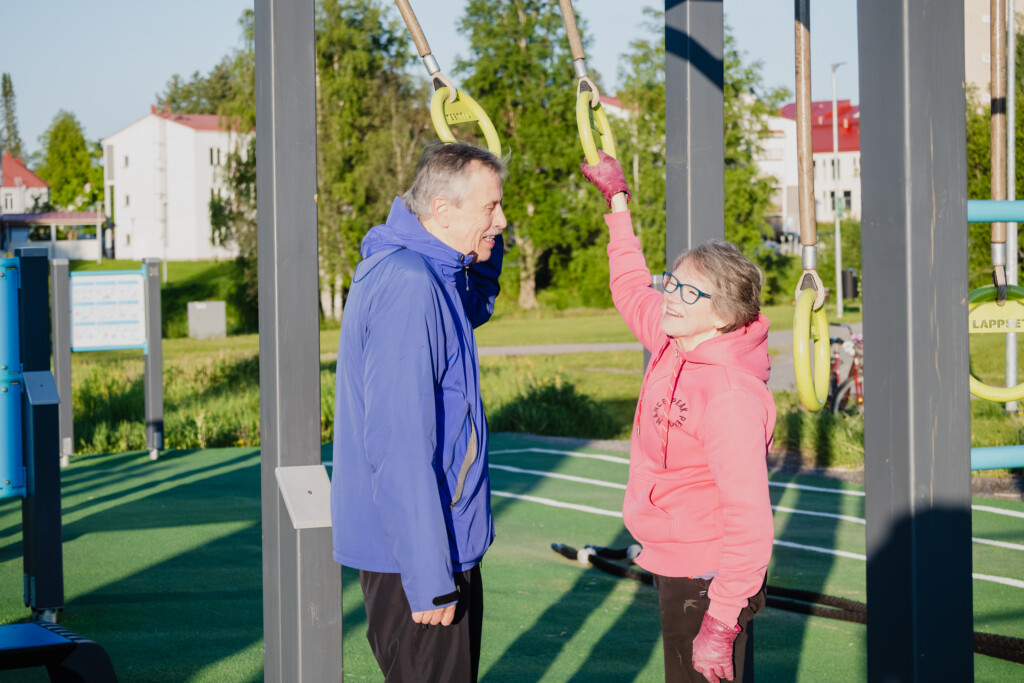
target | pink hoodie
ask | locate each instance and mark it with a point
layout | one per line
(701, 505)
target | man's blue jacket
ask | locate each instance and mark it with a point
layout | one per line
(410, 491)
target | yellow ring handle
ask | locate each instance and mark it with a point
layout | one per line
(988, 392)
(463, 110)
(594, 128)
(813, 391)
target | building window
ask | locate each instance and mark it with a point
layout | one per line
(856, 167)
(847, 200)
(835, 169)
(214, 156)
(126, 161)
(127, 200)
(8, 202)
(814, 169)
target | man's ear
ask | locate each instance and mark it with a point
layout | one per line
(439, 210)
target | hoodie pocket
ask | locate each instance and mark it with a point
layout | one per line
(654, 512)
(645, 520)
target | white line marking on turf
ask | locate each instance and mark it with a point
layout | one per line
(557, 504)
(820, 489)
(1000, 544)
(571, 454)
(777, 484)
(999, 579)
(998, 511)
(830, 515)
(555, 475)
(826, 551)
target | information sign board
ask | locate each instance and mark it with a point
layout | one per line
(108, 310)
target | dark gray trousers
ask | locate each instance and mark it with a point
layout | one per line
(683, 603)
(408, 652)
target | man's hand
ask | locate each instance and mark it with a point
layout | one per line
(607, 176)
(712, 649)
(441, 615)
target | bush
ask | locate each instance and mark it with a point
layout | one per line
(550, 406)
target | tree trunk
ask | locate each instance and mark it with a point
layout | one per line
(528, 257)
(337, 297)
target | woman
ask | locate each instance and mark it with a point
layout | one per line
(697, 497)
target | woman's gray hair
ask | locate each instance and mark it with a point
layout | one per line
(443, 171)
(735, 282)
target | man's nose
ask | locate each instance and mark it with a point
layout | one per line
(499, 218)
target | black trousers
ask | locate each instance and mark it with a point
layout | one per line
(408, 652)
(683, 603)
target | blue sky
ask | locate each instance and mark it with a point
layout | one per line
(106, 61)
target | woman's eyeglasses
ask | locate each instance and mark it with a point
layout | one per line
(688, 293)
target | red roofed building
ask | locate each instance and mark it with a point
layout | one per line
(778, 158)
(20, 188)
(159, 175)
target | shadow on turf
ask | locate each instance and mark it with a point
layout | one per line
(785, 656)
(102, 476)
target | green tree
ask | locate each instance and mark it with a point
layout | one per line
(520, 71)
(10, 141)
(372, 123)
(70, 164)
(201, 94)
(233, 207)
(642, 136)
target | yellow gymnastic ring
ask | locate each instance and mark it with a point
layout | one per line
(988, 392)
(463, 110)
(595, 130)
(813, 392)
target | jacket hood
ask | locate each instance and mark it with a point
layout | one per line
(403, 229)
(745, 349)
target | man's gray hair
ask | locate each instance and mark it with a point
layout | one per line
(444, 171)
(735, 282)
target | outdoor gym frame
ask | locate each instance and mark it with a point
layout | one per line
(917, 441)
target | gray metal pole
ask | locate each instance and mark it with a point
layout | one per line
(43, 553)
(61, 319)
(1011, 183)
(301, 581)
(42, 556)
(917, 441)
(34, 309)
(694, 110)
(153, 383)
(836, 200)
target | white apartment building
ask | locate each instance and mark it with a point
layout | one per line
(159, 175)
(778, 158)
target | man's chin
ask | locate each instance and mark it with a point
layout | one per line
(483, 252)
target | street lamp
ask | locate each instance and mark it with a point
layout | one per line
(836, 198)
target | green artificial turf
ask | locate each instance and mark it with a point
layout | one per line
(162, 566)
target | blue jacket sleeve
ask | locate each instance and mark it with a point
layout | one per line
(404, 351)
(479, 295)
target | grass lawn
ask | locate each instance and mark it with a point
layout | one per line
(212, 400)
(162, 565)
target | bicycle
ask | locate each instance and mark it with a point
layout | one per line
(846, 395)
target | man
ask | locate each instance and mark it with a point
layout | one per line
(410, 493)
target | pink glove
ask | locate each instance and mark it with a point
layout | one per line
(712, 649)
(607, 176)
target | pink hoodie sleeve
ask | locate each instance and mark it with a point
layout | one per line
(736, 447)
(637, 302)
